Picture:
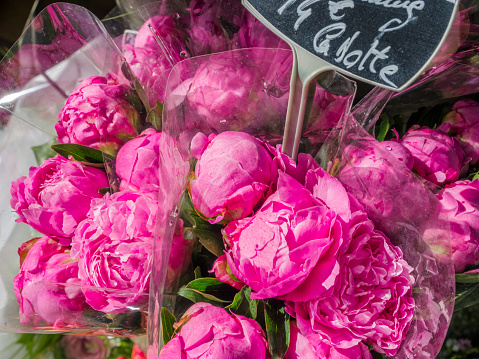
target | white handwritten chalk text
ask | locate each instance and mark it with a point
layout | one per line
(331, 36)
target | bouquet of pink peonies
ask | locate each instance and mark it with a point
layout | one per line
(92, 211)
(168, 187)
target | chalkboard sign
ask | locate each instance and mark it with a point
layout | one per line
(384, 42)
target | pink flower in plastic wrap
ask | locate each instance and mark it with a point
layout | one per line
(114, 245)
(210, 332)
(149, 62)
(84, 347)
(56, 196)
(371, 300)
(137, 163)
(99, 113)
(464, 121)
(437, 157)
(226, 92)
(205, 33)
(289, 248)
(253, 33)
(373, 175)
(41, 301)
(460, 204)
(232, 175)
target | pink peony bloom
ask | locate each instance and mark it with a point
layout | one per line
(296, 169)
(291, 243)
(205, 33)
(232, 175)
(437, 157)
(371, 300)
(299, 346)
(378, 179)
(399, 151)
(137, 163)
(253, 33)
(40, 287)
(464, 121)
(56, 196)
(460, 204)
(152, 69)
(84, 347)
(114, 245)
(98, 114)
(149, 62)
(226, 92)
(211, 332)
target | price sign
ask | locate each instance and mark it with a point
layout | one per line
(387, 43)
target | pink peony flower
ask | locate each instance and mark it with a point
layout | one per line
(253, 33)
(98, 114)
(287, 245)
(296, 169)
(40, 287)
(152, 69)
(460, 204)
(226, 91)
(205, 33)
(399, 151)
(84, 347)
(371, 300)
(232, 175)
(378, 179)
(211, 332)
(56, 196)
(137, 162)
(301, 348)
(114, 245)
(437, 157)
(149, 62)
(464, 120)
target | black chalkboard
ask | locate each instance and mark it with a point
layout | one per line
(386, 42)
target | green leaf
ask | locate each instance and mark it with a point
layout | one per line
(167, 321)
(80, 152)
(277, 327)
(209, 290)
(243, 304)
(467, 278)
(44, 152)
(37, 344)
(383, 128)
(209, 235)
(140, 92)
(142, 95)
(466, 295)
(198, 273)
(123, 349)
(155, 116)
(104, 190)
(475, 176)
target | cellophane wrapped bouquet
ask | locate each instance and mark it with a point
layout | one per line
(161, 196)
